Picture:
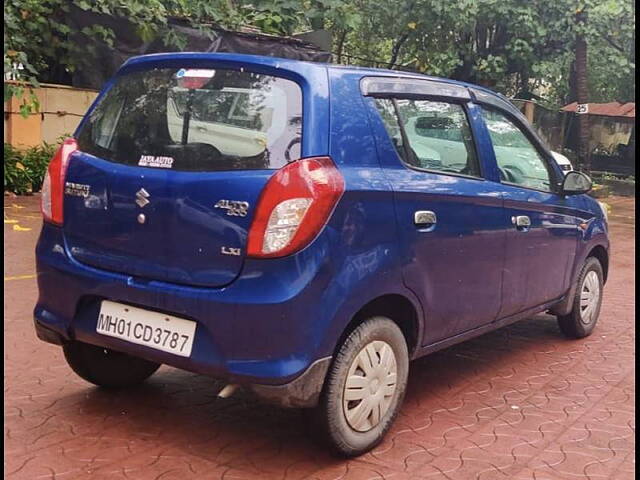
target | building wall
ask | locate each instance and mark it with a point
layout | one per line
(609, 132)
(61, 109)
(550, 124)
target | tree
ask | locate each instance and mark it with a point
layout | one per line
(509, 45)
(611, 37)
(37, 42)
(512, 46)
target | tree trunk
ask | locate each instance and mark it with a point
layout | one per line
(572, 95)
(343, 36)
(582, 94)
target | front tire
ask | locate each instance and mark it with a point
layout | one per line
(365, 387)
(586, 303)
(107, 368)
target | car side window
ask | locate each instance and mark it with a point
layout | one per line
(438, 135)
(387, 112)
(518, 160)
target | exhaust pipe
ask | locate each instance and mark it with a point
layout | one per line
(227, 391)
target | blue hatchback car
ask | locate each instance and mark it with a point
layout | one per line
(304, 230)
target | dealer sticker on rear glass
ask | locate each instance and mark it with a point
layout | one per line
(195, 72)
(153, 161)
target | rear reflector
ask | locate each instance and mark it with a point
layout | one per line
(53, 185)
(294, 206)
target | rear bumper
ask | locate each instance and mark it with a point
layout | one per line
(256, 332)
(45, 334)
(301, 392)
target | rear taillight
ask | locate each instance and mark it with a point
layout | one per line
(53, 184)
(294, 206)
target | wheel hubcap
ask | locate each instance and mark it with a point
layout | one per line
(370, 386)
(589, 297)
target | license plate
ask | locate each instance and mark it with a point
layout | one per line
(151, 329)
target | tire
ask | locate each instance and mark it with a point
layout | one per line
(107, 368)
(586, 302)
(346, 425)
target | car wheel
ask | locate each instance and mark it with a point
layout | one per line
(586, 303)
(107, 368)
(365, 387)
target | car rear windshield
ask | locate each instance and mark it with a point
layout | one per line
(197, 120)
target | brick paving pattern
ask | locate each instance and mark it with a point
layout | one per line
(518, 403)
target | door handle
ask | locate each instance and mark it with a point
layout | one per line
(425, 219)
(522, 222)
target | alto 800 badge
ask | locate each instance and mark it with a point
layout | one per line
(234, 208)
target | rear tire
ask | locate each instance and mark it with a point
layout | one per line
(107, 368)
(586, 303)
(364, 388)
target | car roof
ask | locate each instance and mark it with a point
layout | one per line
(369, 71)
(290, 63)
(302, 68)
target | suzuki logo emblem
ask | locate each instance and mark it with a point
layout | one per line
(141, 197)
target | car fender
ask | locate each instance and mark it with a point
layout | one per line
(594, 235)
(379, 284)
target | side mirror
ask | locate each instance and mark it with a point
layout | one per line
(575, 183)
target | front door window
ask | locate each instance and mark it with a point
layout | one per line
(519, 161)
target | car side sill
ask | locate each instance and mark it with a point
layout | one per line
(565, 304)
(503, 322)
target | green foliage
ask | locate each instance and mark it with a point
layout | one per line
(36, 36)
(612, 54)
(18, 29)
(24, 170)
(509, 45)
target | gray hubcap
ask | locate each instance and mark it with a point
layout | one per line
(589, 297)
(370, 386)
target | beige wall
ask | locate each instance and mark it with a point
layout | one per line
(61, 109)
(608, 132)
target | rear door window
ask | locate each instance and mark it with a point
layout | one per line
(431, 135)
(197, 120)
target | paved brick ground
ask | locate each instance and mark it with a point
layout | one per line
(519, 403)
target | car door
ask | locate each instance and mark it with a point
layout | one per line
(450, 219)
(542, 241)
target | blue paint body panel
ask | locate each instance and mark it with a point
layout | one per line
(266, 321)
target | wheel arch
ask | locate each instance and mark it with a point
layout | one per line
(398, 308)
(598, 251)
(602, 255)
